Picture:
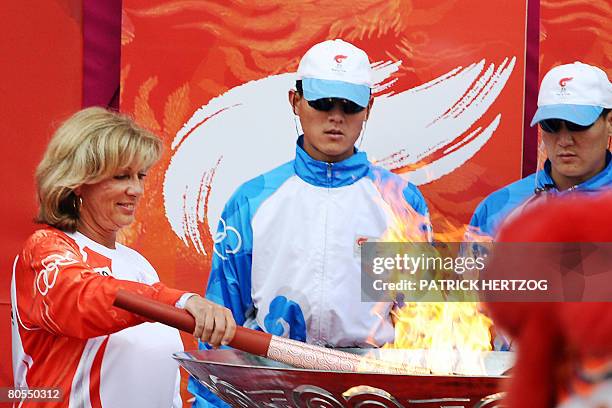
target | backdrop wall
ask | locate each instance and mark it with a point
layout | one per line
(41, 71)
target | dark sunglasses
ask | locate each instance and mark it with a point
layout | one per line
(327, 104)
(554, 125)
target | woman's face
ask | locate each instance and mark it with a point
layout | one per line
(110, 204)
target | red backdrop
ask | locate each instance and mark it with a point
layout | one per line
(180, 56)
(574, 31)
(41, 84)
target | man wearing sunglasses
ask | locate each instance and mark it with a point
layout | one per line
(574, 115)
(287, 260)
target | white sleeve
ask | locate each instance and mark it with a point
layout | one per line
(177, 402)
(183, 299)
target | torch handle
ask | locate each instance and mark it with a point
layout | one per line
(287, 351)
(251, 341)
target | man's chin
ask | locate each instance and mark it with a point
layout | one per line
(337, 154)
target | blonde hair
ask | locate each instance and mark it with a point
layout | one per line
(88, 147)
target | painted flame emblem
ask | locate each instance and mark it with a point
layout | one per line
(339, 58)
(563, 81)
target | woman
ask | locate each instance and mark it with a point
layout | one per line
(66, 334)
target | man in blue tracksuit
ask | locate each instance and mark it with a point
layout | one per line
(574, 114)
(287, 259)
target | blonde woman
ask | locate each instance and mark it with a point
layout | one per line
(66, 334)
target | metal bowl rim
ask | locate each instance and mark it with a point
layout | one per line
(176, 356)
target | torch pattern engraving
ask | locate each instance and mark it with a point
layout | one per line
(305, 355)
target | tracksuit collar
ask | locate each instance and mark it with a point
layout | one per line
(333, 175)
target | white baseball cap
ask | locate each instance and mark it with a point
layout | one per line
(574, 92)
(336, 69)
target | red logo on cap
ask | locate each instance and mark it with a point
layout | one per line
(564, 81)
(361, 240)
(339, 58)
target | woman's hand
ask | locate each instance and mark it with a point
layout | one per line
(214, 324)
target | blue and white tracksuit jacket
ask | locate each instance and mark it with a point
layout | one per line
(287, 259)
(511, 200)
(494, 209)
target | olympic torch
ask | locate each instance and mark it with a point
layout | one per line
(291, 352)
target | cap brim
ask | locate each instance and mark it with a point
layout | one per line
(323, 88)
(583, 115)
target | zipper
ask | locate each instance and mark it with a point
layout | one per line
(323, 338)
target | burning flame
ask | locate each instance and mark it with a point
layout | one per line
(450, 336)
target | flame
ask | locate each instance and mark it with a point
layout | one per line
(451, 336)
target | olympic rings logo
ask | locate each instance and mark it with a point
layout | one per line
(46, 278)
(223, 233)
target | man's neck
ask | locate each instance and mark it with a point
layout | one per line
(563, 182)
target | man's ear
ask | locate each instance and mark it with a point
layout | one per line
(369, 108)
(294, 98)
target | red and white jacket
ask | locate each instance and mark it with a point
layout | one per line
(67, 334)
